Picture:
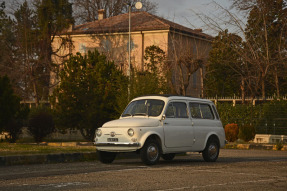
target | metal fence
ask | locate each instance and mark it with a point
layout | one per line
(32, 104)
(275, 126)
(237, 100)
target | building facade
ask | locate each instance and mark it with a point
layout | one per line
(184, 47)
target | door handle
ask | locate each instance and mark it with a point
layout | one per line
(165, 123)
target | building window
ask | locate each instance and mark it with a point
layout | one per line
(106, 45)
(132, 45)
(82, 48)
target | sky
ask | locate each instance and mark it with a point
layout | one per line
(183, 11)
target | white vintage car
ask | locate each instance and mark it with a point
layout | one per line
(162, 126)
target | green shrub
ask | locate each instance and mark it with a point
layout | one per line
(12, 113)
(239, 114)
(41, 123)
(231, 132)
(246, 132)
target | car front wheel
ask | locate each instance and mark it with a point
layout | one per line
(150, 153)
(211, 151)
(106, 157)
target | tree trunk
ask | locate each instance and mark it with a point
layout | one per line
(277, 82)
(182, 91)
(36, 96)
(242, 90)
(201, 82)
(263, 87)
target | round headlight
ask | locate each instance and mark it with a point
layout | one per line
(131, 132)
(98, 132)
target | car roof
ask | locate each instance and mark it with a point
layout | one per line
(168, 97)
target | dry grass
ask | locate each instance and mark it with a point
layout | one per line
(27, 149)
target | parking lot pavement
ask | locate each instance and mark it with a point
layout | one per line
(86, 156)
(234, 170)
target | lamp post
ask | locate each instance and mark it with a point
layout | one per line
(129, 70)
(138, 6)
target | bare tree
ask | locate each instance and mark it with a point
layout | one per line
(87, 10)
(262, 50)
(265, 31)
(187, 58)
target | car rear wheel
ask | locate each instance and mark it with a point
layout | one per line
(168, 157)
(211, 151)
(106, 157)
(150, 153)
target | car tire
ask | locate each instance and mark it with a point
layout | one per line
(106, 157)
(211, 151)
(168, 157)
(150, 153)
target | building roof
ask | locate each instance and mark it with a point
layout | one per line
(141, 21)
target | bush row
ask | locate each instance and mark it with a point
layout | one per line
(244, 121)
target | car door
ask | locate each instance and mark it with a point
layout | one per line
(203, 122)
(178, 131)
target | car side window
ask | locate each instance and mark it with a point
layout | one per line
(170, 111)
(215, 111)
(176, 110)
(200, 111)
(206, 111)
(195, 110)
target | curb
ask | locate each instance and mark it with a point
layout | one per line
(56, 158)
(44, 159)
(62, 144)
(254, 147)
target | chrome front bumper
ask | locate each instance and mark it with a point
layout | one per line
(113, 144)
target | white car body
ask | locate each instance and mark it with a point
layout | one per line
(186, 133)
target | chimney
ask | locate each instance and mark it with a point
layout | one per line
(198, 30)
(101, 14)
(70, 28)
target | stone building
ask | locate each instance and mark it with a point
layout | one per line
(186, 49)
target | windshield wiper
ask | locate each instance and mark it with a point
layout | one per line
(141, 114)
(126, 114)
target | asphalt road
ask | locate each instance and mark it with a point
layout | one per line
(234, 170)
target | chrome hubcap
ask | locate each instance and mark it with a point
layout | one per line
(152, 152)
(212, 150)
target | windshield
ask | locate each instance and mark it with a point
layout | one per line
(144, 107)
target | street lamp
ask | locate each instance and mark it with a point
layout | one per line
(138, 6)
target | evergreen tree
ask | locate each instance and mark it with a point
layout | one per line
(222, 75)
(87, 95)
(27, 45)
(53, 17)
(153, 80)
(26, 52)
(7, 41)
(8, 102)
(12, 114)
